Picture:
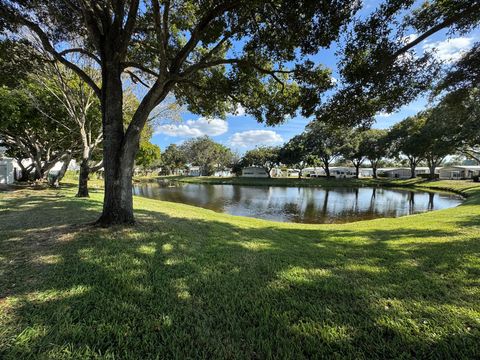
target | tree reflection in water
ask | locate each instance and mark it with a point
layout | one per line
(300, 204)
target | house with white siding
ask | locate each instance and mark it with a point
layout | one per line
(342, 172)
(7, 172)
(254, 171)
(459, 172)
(404, 172)
(313, 172)
(194, 171)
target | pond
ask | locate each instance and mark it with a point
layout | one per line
(300, 204)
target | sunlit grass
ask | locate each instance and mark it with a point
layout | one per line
(191, 283)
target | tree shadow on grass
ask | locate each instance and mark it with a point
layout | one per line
(174, 287)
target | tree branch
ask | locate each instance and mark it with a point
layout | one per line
(141, 67)
(197, 31)
(80, 51)
(136, 79)
(241, 62)
(444, 24)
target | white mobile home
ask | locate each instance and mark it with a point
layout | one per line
(223, 173)
(313, 172)
(340, 172)
(459, 172)
(293, 172)
(194, 171)
(254, 171)
(395, 173)
(365, 172)
(7, 173)
(405, 172)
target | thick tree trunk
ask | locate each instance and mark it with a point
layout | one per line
(25, 172)
(118, 201)
(413, 165)
(83, 179)
(374, 171)
(357, 170)
(64, 167)
(432, 168)
(327, 171)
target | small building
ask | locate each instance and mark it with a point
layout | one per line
(313, 172)
(459, 172)
(276, 172)
(365, 172)
(223, 173)
(194, 171)
(7, 172)
(293, 173)
(405, 172)
(341, 172)
(395, 173)
(254, 171)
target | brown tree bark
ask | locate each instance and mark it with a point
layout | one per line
(118, 171)
(83, 179)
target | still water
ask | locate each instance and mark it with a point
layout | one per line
(300, 204)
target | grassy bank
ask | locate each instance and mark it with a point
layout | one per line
(213, 180)
(189, 283)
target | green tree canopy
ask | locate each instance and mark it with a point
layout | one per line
(295, 153)
(263, 156)
(375, 147)
(406, 139)
(207, 154)
(380, 70)
(326, 142)
(33, 126)
(173, 159)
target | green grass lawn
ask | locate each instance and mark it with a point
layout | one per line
(191, 283)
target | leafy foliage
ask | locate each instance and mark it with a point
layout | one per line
(173, 159)
(379, 68)
(207, 154)
(326, 142)
(29, 133)
(263, 156)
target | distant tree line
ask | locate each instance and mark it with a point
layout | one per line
(203, 152)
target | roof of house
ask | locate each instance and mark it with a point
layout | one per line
(253, 167)
(465, 167)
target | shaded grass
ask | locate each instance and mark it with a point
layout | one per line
(191, 283)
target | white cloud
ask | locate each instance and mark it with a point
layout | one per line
(238, 111)
(409, 38)
(451, 49)
(194, 128)
(252, 138)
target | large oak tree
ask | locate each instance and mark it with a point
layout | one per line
(212, 55)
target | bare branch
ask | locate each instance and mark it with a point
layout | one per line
(141, 67)
(136, 79)
(80, 51)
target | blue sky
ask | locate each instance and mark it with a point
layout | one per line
(241, 132)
